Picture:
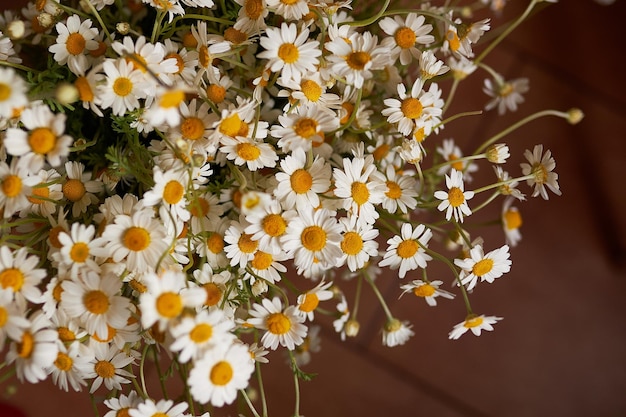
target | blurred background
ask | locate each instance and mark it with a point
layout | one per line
(560, 349)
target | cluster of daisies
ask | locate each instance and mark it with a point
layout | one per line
(193, 180)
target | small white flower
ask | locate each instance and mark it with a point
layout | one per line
(487, 267)
(474, 323)
(455, 200)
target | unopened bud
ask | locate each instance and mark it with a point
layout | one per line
(67, 93)
(45, 20)
(352, 328)
(574, 116)
(497, 153)
(259, 287)
(122, 28)
(16, 29)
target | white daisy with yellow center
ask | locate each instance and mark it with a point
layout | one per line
(304, 128)
(19, 274)
(209, 47)
(412, 110)
(396, 332)
(407, 250)
(170, 190)
(79, 250)
(310, 300)
(541, 166)
(511, 222)
(220, 374)
(108, 367)
(289, 9)
(253, 153)
(475, 323)
(428, 290)
(405, 34)
(75, 40)
(12, 92)
(268, 224)
(71, 363)
(211, 244)
(161, 408)
(358, 242)
(13, 319)
(401, 191)
(454, 202)
(45, 195)
(310, 90)
(79, 189)
(282, 327)
(453, 155)
(123, 88)
(486, 267)
(252, 15)
(505, 95)
(15, 187)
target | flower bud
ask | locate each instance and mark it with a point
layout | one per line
(259, 287)
(574, 116)
(45, 20)
(66, 93)
(497, 153)
(122, 28)
(16, 29)
(352, 328)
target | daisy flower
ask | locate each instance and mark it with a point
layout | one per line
(251, 16)
(358, 243)
(430, 66)
(209, 47)
(79, 189)
(163, 408)
(508, 187)
(195, 124)
(497, 153)
(474, 323)
(254, 154)
(292, 10)
(360, 187)
(74, 41)
(401, 191)
(541, 167)
(221, 372)
(313, 236)
(138, 240)
(146, 57)
(428, 290)
(122, 404)
(282, 327)
(487, 267)
(13, 320)
(267, 266)
(170, 189)
(268, 224)
(15, 187)
(78, 250)
(511, 222)
(396, 332)
(460, 42)
(19, 274)
(186, 60)
(340, 324)
(96, 301)
(205, 211)
(235, 120)
(165, 298)
(455, 200)
(211, 244)
(506, 95)
(308, 301)
(412, 110)
(193, 336)
(45, 195)
(304, 128)
(404, 34)
(164, 109)
(240, 247)
(43, 141)
(70, 366)
(124, 86)
(34, 350)
(107, 366)
(87, 86)
(406, 251)
(12, 92)
(310, 89)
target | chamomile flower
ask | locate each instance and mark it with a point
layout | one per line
(146, 57)
(413, 110)
(282, 326)
(428, 290)
(43, 141)
(221, 372)
(401, 191)
(396, 332)
(15, 187)
(292, 10)
(475, 323)
(266, 264)
(430, 66)
(186, 60)
(108, 368)
(460, 37)
(506, 95)
(45, 195)
(195, 124)
(170, 188)
(12, 92)
(252, 15)
(486, 267)
(76, 38)
(309, 301)
(19, 274)
(404, 34)
(138, 240)
(205, 211)
(541, 166)
(209, 47)
(360, 187)
(240, 246)
(358, 243)
(313, 236)
(13, 315)
(406, 251)
(508, 187)
(455, 200)
(452, 153)
(253, 153)
(79, 189)
(96, 301)
(35, 350)
(78, 250)
(193, 336)
(311, 89)
(497, 153)
(511, 222)
(268, 224)
(122, 404)
(211, 244)
(70, 366)
(124, 86)
(162, 408)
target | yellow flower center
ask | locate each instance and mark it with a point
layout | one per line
(136, 238)
(313, 238)
(100, 50)
(482, 267)
(12, 278)
(57, 291)
(311, 90)
(288, 2)
(393, 190)
(278, 323)
(458, 165)
(63, 362)
(512, 219)
(204, 56)
(505, 89)
(360, 193)
(235, 36)
(138, 62)
(419, 135)
(123, 412)
(11, 186)
(246, 244)
(405, 37)
(347, 109)
(453, 40)
(111, 332)
(233, 126)
(4, 316)
(42, 140)
(199, 207)
(310, 303)
(540, 173)
(425, 290)
(53, 236)
(192, 128)
(122, 86)
(456, 197)
(173, 192)
(66, 335)
(5, 91)
(221, 373)
(216, 93)
(75, 44)
(411, 108)
(305, 127)
(301, 181)
(105, 369)
(25, 347)
(169, 305)
(85, 93)
(473, 322)
(215, 243)
(274, 225)
(262, 260)
(79, 252)
(248, 151)
(180, 63)
(189, 41)
(253, 9)
(380, 152)
(407, 248)
(172, 99)
(213, 294)
(352, 243)
(201, 333)
(74, 190)
(358, 60)
(96, 302)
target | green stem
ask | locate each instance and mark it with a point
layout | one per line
(249, 403)
(500, 183)
(357, 296)
(380, 297)
(94, 405)
(261, 388)
(453, 88)
(445, 260)
(371, 20)
(486, 202)
(296, 383)
(207, 18)
(159, 373)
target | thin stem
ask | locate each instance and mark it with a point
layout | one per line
(380, 297)
(142, 375)
(458, 116)
(486, 202)
(371, 20)
(357, 297)
(250, 405)
(445, 260)
(261, 388)
(453, 88)
(159, 373)
(94, 405)
(296, 384)
(505, 182)
(18, 66)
